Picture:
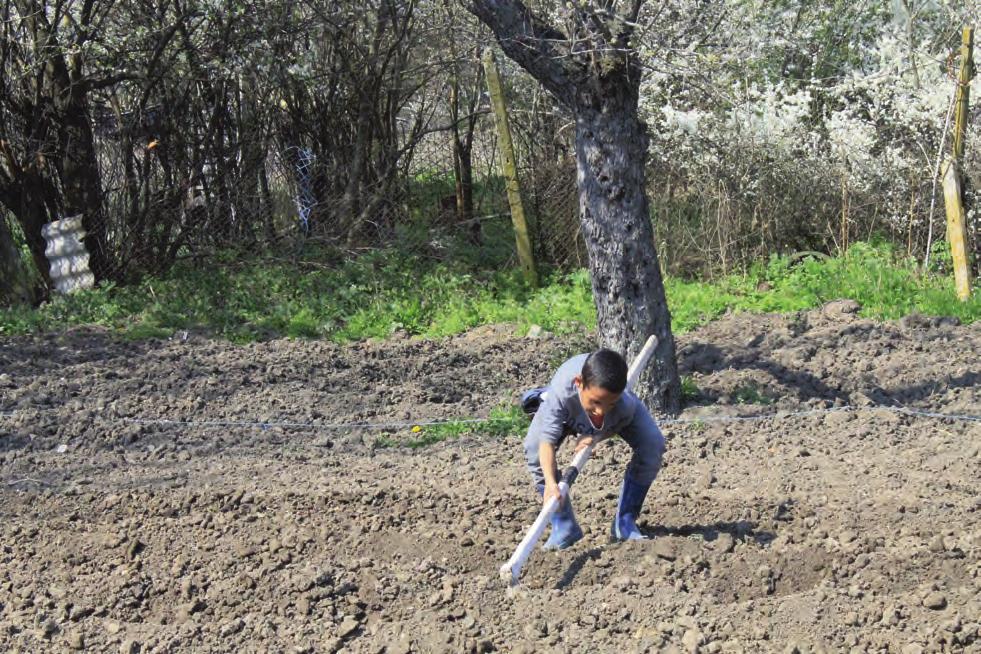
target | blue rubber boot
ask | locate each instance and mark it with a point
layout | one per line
(531, 400)
(565, 530)
(631, 501)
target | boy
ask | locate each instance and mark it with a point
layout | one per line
(586, 397)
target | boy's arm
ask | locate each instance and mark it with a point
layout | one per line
(548, 426)
(546, 457)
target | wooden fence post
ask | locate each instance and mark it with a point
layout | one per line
(953, 199)
(509, 166)
(963, 92)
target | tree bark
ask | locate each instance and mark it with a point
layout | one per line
(82, 185)
(23, 194)
(611, 149)
(599, 84)
(61, 94)
(463, 162)
(15, 281)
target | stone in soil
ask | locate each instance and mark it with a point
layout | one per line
(347, 627)
(935, 600)
(76, 640)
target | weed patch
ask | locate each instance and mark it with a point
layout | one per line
(504, 420)
(318, 294)
(750, 393)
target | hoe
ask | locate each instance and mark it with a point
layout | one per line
(511, 570)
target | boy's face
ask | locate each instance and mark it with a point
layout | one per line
(596, 400)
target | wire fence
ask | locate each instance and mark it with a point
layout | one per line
(222, 168)
(326, 427)
(163, 204)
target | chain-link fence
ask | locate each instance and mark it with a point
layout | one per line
(166, 196)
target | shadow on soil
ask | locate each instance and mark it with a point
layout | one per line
(741, 530)
(708, 359)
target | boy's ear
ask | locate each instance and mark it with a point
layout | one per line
(577, 380)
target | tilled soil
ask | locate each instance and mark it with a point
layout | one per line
(800, 507)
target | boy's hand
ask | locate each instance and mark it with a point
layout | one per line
(585, 442)
(551, 490)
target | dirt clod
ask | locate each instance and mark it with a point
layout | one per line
(692, 639)
(76, 640)
(348, 626)
(664, 549)
(935, 600)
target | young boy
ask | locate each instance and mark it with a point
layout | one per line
(586, 398)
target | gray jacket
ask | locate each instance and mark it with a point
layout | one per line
(561, 413)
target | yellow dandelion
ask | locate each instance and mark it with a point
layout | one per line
(416, 429)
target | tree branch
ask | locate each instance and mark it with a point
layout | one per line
(535, 45)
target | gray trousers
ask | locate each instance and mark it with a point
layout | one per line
(642, 435)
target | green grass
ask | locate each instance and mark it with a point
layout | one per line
(750, 393)
(689, 389)
(886, 287)
(372, 296)
(504, 420)
(388, 290)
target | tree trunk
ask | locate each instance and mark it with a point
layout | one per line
(26, 202)
(611, 149)
(82, 185)
(590, 74)
(79, 164)
(350, 205)
(463, 164)
(457, 145)
(15, 280)
(464, 192)
(61, 97)
(266, 199)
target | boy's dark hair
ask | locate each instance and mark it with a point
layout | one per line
(606, 369)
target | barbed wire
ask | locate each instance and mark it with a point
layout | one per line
(265, 425)
(418, 425)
